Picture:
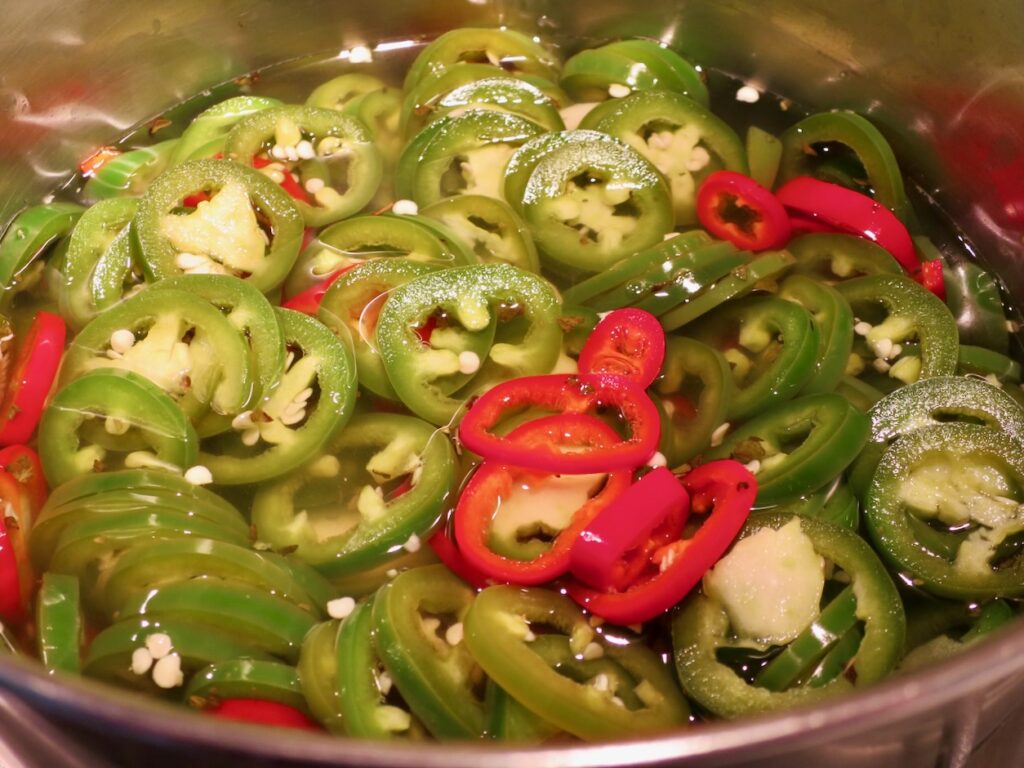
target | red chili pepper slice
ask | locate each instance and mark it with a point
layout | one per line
(724, 487)
(736, 208)
(34, 371)
(581, 393)
(97, 159)
(308, 301)
(23, 464)
(15, 572)
(627, 342)
(929, 274)
(613, 547)
(289, 184)
(493, 485)
(448, 553)
(844, 210)
(262, 712)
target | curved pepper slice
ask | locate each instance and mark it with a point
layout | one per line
(130, 173)
(474, 302)
(727, 490)
(564, 394)
(23, 464)
(599, 557)
(849, 212)
(268, 681)
(15, 578)
(701, 633)
(262, 712)
(488, 500)
(736, 208)
(489, 228)
(627, 342)
(205, 135)
(413, 617)
(249, 227)
(39, 357)
(59, 624)
(532, 643)
(28, 236)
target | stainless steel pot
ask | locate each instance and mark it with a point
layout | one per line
(944, 79)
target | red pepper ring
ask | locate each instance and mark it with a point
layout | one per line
(628, 342)
(580, 393)
(849, 212)
(262, 712)
(614, 547)
(929, 274)
(725, 488)
(39, 355)
(736, 208)
(492, 485)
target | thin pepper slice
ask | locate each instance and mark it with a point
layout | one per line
(39, 357)
(59, 624)
(736, 208)
(262, 712)
(488, 498)
(582, 393)
(627, 342)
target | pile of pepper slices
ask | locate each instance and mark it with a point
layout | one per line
(810, 360)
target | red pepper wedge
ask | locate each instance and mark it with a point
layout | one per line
(579, 393)
(612, 548)
(736, 208)
(262, 712)
(843, 210)
(34, 371)
(929, 274)
(23, 464)
(628, 342)
(15, 572)
(494, 482)
(725, 488)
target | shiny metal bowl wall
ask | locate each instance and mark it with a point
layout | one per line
(944, 80)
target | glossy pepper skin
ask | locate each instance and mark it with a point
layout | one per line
(701, 631)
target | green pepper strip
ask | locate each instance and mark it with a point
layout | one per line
(122, 399)
(367, 701)
(798, 659)
(318, 673)
(110, 654)
(130, 173)
(772, 345)
(59, 624)
(351, 308)
(684, 141)
(799, 446)
(28, 235)
(930, 402)
(701, 629)
(339, 91)
(489, 228)
(154, 565)
(973, 572)
(343, 156)
(695, 388)
(498, 631)
(98, 263)
(211, 370)
(246, 679)
(205, 135)
(986, 362)
(764, 156)
(437, 678)
(804, 143)
(356, 526)
(509, 721)
(473, 296)
(267, 622)
(163, 200)
(834, 320)
(839, 658)
(740, 281)
(621, 275)
(313, 400)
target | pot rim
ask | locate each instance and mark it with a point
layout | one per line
(99, 707)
